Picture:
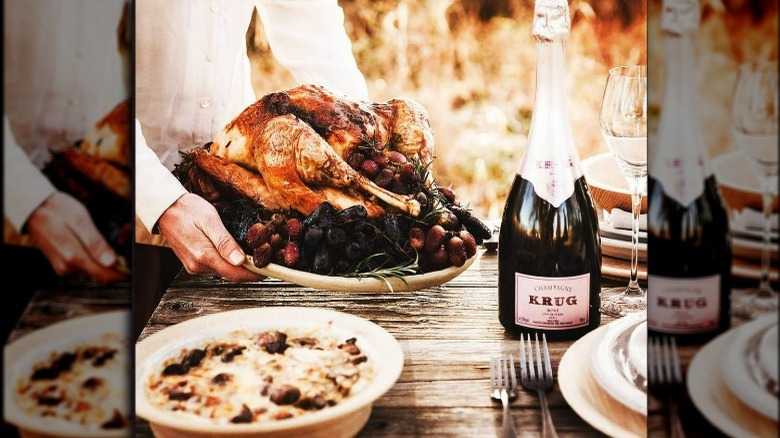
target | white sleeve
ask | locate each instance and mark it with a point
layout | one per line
(156, 188)
(25, 186)
(308, 38)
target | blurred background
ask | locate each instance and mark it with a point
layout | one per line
(731, 32)
(472, 64)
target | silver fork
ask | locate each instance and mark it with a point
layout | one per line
(503, 386)
(665, 378)
(539, 378)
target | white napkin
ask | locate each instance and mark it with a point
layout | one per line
(750, 218)
(622, 219)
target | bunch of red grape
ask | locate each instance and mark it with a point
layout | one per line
(348, 242)
(387, 169)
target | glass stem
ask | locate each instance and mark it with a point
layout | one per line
(636, 208)
(764, 287)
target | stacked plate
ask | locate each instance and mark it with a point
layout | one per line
(733, 380)
(603, 376)
(741, 191)
(610, 192)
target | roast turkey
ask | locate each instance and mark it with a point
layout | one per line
(294, 144)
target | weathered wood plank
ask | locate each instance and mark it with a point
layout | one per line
(447, 333)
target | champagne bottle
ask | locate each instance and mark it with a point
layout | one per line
(689, 248)
(549, 259)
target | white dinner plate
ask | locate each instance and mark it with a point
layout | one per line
(352, 284)
(637, 349)
(768, 354)
(588, 399)
(612, 368)
(742, 373)
(713, 399)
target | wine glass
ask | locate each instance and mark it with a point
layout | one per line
(623, 119)
(754, 123)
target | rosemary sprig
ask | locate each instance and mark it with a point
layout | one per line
(384, 272)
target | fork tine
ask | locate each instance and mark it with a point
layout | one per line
(667, 361)
(548, 371)
(539, 372)
(492, 372)
(651, 361)
(531, 367)
(505, 372)
(676, 362)
(513, 381)
(523, 372)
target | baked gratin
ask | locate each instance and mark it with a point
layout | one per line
(261, 376)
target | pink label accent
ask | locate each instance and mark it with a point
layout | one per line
(683, 305)
(552, 303)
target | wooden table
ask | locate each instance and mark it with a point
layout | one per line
(447, 333)
(54, 305)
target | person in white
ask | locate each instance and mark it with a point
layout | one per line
(193, 77)
(62, 73)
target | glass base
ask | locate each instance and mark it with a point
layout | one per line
(619, 302)
(750, 303)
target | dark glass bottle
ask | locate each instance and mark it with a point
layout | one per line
(689, 248)
(549, 259)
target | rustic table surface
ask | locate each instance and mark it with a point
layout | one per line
(54, 305)
(447, 333)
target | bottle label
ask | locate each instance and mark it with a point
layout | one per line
(553, 179)
(552, 303)
(683, 305)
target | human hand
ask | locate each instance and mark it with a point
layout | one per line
(195, 231)
(63, 229)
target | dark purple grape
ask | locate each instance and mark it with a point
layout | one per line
(351, 213)
(322, 262)
(343, 265)
(417, 238)
(314, 218)
(257, 235)
(396, 157)
(384, 178)
(448, 193)
(392, 228)
(421, 198)
(370, 168)
(398, 186)
(380, 158)
(277, 241)
(353, 251)
(456, 251)
(356, 160)
(434, 238)
(448, 220)
(409, 174)
(277, 222)
(439, 257)
(312, 236)
(261, 256)
(335, 236)
(469, 243)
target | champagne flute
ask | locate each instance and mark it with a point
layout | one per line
(754, 121)
(623, 118)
